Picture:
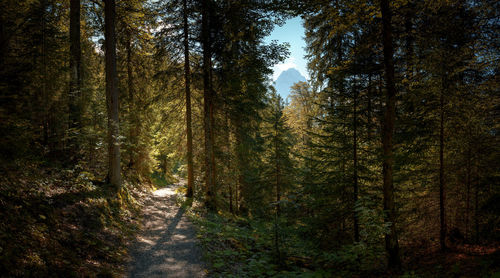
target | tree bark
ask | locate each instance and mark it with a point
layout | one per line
(187, 81)
(278, 169)
(468, 186)
(114, 170)
(476, 209)
(391, 239)
(231, 210)
(228, 173)
(355, 165)
(369, 108)
(133, 132)
(208, 109)
(442, 214)
(75, 83)
(241, 188)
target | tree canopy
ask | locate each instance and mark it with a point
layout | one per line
(387, 154)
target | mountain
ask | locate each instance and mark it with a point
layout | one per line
(286, 80)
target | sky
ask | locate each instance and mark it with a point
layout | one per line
(293, 33)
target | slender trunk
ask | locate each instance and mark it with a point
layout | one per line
(237, 196)
(212, 140)
(380, 104)
(242, 188)
(75, 83)
(391, 238)
(442, 215)
(231, 210)
(309, 151)
(114, 175)
(187, 78)
(43, 101)
(240, 196)
(276, 239)
(355, 164)
(278, 171)
(467, 197)
(132, 117)
(208, 109)
(278, 193)
(228, 174)
(369, 108)
(476, 207)
(341, 91)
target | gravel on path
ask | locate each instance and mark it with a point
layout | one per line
(167, 246)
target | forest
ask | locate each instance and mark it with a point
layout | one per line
(385, 163)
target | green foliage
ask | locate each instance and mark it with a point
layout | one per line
(298, 180)
(162, 180)
(238, 247)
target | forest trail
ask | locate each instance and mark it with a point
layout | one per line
(167, 245)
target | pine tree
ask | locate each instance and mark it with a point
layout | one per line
(187, 80)
(114, 168)
(75, 84)
(208, 105)
(391, 239)
(279, 168)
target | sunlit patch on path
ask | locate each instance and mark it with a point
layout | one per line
(167, 246)
(164, 192)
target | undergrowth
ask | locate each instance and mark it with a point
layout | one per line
(63, 223)
(236, 246)
(239, 247)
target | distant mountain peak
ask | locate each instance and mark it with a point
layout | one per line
(286, 80)
(291, 70)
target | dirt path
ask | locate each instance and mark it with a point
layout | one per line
(167, 246)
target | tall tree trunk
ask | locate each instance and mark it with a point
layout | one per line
(278, 194)
(391, 239)
(442, 215)
(369, 108)
(75, 83)
(240, 201)
(208, 108)
(187, 79)
(114, 175)
(476, 207)
(131, 95)
(468, 186)
(355, 165)
(278, 171)
(231, 210)
(44, 107)
(228, 174)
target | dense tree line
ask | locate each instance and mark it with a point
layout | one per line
(395, 82)
(391, 146)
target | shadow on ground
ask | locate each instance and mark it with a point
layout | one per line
(167, 246)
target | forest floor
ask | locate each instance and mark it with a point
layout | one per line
(57, 222)
(167, 245)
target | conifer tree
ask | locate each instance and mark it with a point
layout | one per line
(391, 239)
(279, 169)
(208, 105)
(75, 84)
(187, 80)
(114, 168)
